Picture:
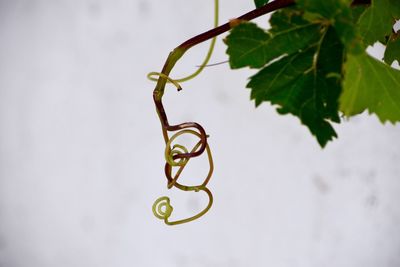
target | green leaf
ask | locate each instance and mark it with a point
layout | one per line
(392, 51)
(377, 21)
(249, 45)
(372, 85)
(305, 84)
(302, 60)
(260, 3)
(357, 11)
(328, 9)
(338, 14)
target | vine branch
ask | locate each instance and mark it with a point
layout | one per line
(177, 155)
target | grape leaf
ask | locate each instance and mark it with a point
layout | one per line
(328, 9)
(303, 63)
(339, 15)
(248, 45)
(305, 84)
(373, 85)
(260, 3)
(392, 51)
(377, 21)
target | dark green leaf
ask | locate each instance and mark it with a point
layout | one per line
(302, 59)
(339, 15)
(357, 11)
(328, 9)
(377, 21)
(249, 45)
(305, 84)
(260, 3)
(392, 52)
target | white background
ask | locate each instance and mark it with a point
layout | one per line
(81, 151)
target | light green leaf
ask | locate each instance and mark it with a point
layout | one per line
(377, 21)
(372, 85)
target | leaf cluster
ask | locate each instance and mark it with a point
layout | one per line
(313, 63)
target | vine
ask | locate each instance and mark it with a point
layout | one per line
(177, 155)
(313, 65)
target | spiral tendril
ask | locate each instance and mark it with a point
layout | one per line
(177, 155)
(159, 204)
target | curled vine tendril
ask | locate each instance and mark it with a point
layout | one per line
(177, 155)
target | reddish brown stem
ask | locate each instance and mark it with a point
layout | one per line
(275, 5)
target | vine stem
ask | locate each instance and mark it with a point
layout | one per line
(178, 155)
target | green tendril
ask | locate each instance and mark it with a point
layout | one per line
(164, 203)
(177, 155)
(178, 173)
(162, 208)
(170, 153)
(159, 204)
(210, 49)
(152, 75)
